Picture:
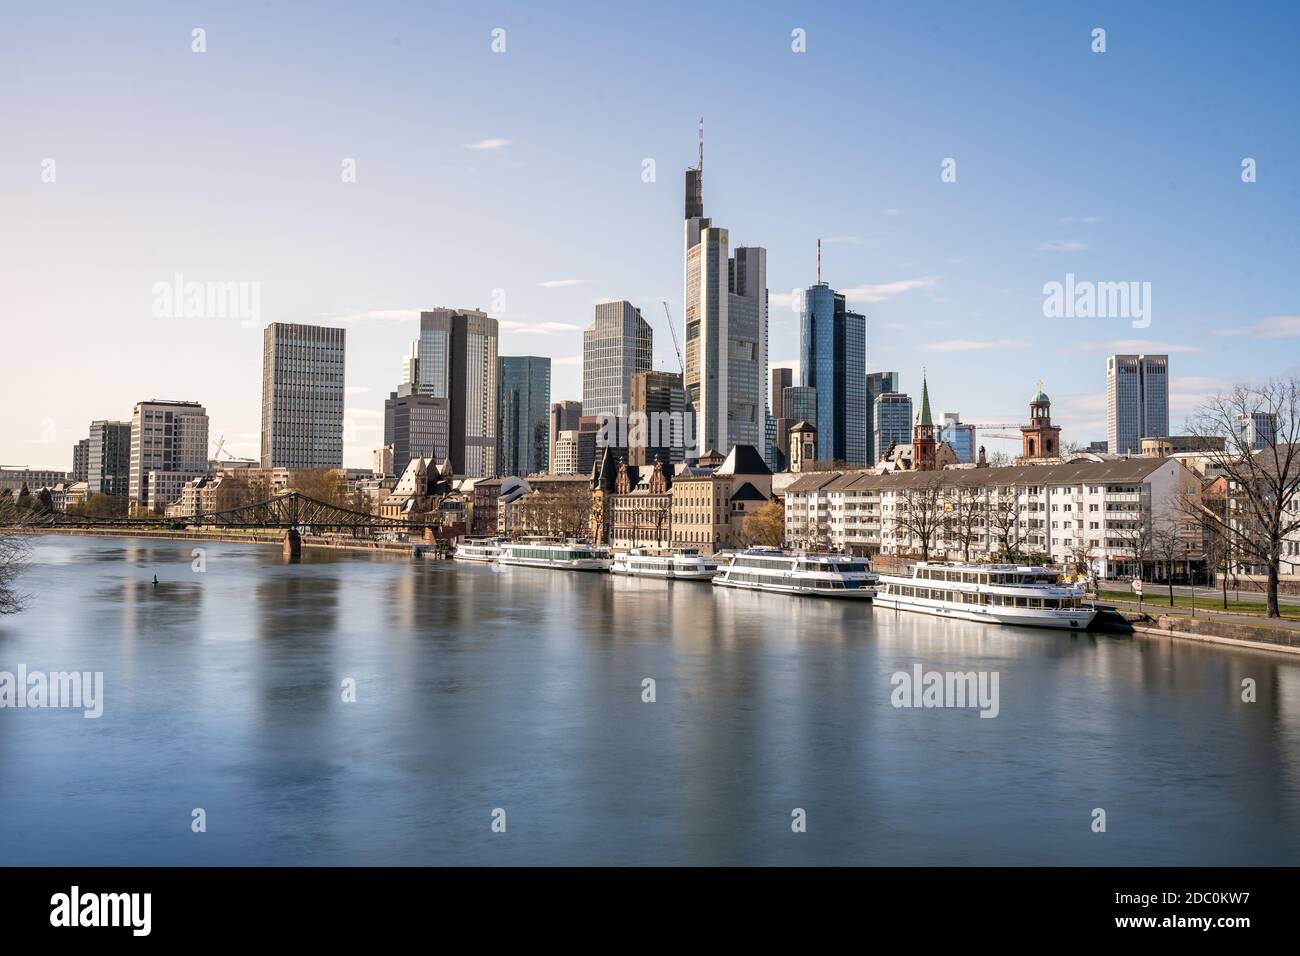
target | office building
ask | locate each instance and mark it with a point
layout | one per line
(959, 436)
(800, 403)
(662, 427)
(454, 362)
(726, 329)
(1137, 401)
(833, 360)
(618, 344)
(1257, 430)
(302, 396)
(415, 426)
(782, 378)
(80, 459)
(523, 414)
(891, 422)
(565, 415)
(877, 384)
(565, 458)
(108, 459)
(169, 446)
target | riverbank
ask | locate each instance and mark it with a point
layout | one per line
(1257, 633)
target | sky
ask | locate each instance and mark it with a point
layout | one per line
(517, 180)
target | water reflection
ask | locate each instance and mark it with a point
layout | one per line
(522, 688)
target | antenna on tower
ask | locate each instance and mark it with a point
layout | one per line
(819, 262)
(699, 179)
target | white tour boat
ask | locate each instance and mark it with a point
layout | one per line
(797, 572)
(567, 556)
(1001, 593)
(482, 550)
(684, 565)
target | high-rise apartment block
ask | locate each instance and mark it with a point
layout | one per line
(302, 396)
(108, 459)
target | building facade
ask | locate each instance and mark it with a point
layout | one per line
(169, 446)
(959, 436)
(833, 360)
(725, 300)
(709, 506)
(565, 416)
(1098, 513)
(456, 363)
(523, 414)
(108, 459)
(618, 344)
(891, 422)
(415, 426)
(1137, 401)
(666, 424)
(302, 396)
(877, 384)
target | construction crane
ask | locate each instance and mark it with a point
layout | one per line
(681, 365)
(221, 446)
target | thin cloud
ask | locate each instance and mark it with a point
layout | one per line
(376, 315)
(1085, 220)
(538, 328)
(567, 360)
(1273, 327)
(879, 292)
(1063, 245)
(974, 345)
(488, 145)
(1136, 346)
(892, 212)
(560, 283)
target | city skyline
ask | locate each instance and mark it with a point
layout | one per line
(916, 255)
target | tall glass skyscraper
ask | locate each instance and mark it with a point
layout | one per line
(523, 414)
(618, 344)
(892, 422)
(833, 360)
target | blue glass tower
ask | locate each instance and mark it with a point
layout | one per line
(833, 360)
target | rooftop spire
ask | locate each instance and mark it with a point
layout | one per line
(923, 418)
(699, 180)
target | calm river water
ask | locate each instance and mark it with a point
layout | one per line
(521, 689)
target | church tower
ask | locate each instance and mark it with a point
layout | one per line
(1040, 438)
(923, 444)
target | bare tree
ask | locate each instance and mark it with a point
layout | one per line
(1005, 512)
(964, 517)
(1259, 426)
(1134, 536)
(1167, 546)
(920, 513)
(14, 554)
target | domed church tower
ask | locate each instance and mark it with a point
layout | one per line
(1040, 438)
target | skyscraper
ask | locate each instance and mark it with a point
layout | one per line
(302, 396)
(877, 384)
(565, 416)
(800, 403)
(959, 436)
(416, 426)
(618, 344)
(726, 329)
(661, 399)
(892, 422)
(782, 378)
(833, 360)
(456, 363)
(523, 414)
(108, 459)
(1137, 401)
(80, 459)
(169, 446)
(1257, 430)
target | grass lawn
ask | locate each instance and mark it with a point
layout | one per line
(1154, 598)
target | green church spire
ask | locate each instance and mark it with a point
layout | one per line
(923, 418)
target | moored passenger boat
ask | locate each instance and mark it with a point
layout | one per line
(683, 565)
(998, 593)
(797, 572)
(481, 550)
(565, 556)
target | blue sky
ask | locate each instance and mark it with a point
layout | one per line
(522, 172)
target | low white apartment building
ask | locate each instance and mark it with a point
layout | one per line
(1101, 509)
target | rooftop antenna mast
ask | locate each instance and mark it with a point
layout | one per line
(699, 179)
(819, 262)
